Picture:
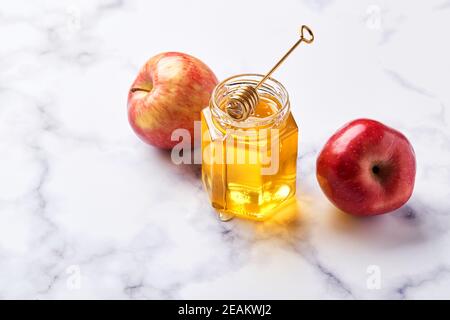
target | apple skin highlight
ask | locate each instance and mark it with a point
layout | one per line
(168, 94)
(367, 168)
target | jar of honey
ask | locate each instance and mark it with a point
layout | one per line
(249, 166)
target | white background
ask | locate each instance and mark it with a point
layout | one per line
(89, 211)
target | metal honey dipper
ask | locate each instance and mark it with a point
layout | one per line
(242, 102)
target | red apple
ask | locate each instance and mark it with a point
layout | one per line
(169, 92)
(367, 168)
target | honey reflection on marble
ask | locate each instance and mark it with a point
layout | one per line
(285, 222)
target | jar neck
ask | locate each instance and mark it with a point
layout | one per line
(270, 87)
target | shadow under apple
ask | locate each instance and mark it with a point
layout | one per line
(394, 229)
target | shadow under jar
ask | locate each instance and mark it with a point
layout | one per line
(249, 166)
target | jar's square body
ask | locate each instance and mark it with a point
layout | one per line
(249, 172)
(246, 184)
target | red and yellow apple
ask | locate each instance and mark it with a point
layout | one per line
(168, 94)
(367, 168)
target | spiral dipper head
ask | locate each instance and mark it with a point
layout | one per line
(242, 103)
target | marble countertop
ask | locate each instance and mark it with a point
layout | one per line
(89, 211)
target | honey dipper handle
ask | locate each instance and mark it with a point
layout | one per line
(306, 36)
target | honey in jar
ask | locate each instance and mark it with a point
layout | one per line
(249, 166)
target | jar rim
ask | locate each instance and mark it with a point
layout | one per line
(270, 85)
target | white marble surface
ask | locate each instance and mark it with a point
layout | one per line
(81, 195)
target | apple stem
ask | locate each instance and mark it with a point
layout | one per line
(139, 89)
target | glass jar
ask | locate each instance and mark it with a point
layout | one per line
(249, 166)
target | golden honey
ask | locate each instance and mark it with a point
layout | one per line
(249, 167)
